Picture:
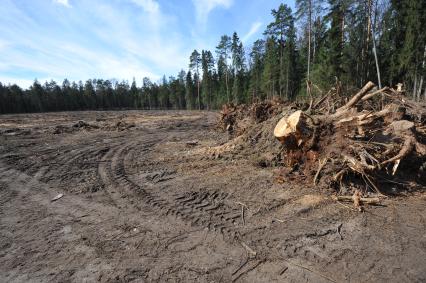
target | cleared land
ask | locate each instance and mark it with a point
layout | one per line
(145, 201)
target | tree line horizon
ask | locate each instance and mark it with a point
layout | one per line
(322, 42)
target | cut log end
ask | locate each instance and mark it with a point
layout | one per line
(293, 127)
(287, 125)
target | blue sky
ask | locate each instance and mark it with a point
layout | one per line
(117, 39)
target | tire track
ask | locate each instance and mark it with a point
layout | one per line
(75, 166)
(206, 209)
(111, 166)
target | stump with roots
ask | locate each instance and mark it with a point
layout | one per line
(369, 138)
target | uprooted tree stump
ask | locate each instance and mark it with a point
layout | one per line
(367, 138)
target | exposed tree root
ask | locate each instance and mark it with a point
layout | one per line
(360, 138)
(373, 141)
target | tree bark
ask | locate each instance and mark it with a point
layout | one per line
(309, 35)
(376, 59)
(314, 41)
(286, 88)
(415, 85)
(226, 81)
(281, 67)
(424, 94)
(342, 36)
(421, 78)
(365, 48)
(198, 93)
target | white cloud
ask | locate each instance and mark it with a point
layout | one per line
(147, 39)
(150, 6)
(63, 2)
(204, 7)
(152, 14)
(102, 64)
(253, 30)
(114, 43)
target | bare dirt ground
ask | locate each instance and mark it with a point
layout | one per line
(144, 202)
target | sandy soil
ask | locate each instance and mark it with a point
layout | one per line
(143, 202)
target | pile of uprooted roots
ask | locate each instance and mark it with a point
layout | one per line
(235, 119)
(372, 142)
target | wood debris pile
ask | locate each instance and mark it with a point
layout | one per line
(119, 126)
(373, 142)
(236, 119)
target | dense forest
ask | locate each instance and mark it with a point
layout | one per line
(322, 42)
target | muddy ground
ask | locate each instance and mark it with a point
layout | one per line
(144, 201)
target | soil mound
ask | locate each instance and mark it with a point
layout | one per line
(249, 128)
(78, 126)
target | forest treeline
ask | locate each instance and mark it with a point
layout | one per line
(351, 41)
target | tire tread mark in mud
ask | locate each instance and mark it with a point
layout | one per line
(207, 209)
(75, 165)
(72, 163)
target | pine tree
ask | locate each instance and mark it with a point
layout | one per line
(134, 100)
(278, 30)
(291, 57)
(147, 99)
(271, 68)
(89, 93)
(412, 55)
(238, 68)
(223, 51)
(37, 97)
(207, 65)
(189, 91)
(256, 68)
(164, 93)
(222, 81)
(181, 90)
(194, 66)
(336, 39)
(305, 10)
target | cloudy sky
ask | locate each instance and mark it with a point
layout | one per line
(120, 39)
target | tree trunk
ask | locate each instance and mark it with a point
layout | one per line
(281, 68)
(314, 43)
(419, 92)
(226, 82)
(424, 94)
(198, 94)
(415, 85)
(309, 35)
(422, 72)
(375, 57)
(342, 36)
(367, 41)
(209, 93)
(286, 87)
